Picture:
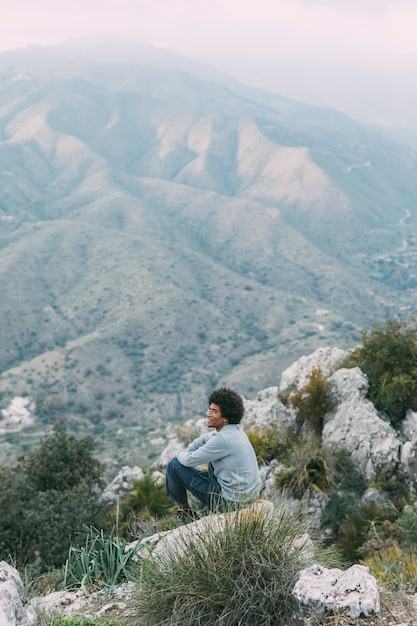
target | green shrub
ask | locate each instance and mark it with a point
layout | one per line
(353, 524)
(243, 574)
(394, 567)
(269, 444)
(348, 477)
(408, 522)
(103, 561)
(47, 497)
(309, 467)
(147, 500)
(388, 356)
(312, 401)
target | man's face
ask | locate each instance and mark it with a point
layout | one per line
(215, 418)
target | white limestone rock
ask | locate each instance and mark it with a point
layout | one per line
(176, 541)
(409, 427)
(355, 426)
(121, 484)
(14, 609)
(409, 448)
(327, 359)
(320, 590)
(169, 452)
(189, 431)
(266, 411)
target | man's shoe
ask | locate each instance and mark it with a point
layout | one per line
(187, 515)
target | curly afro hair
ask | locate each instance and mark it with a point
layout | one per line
(230, 403)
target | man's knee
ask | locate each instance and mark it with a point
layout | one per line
(173, 466)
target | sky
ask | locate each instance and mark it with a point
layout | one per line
(331, 52)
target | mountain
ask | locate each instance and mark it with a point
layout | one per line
(165, 229)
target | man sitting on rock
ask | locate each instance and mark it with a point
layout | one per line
(232, 477)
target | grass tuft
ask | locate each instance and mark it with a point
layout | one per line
(243, 573)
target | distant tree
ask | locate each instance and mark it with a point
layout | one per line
(47, 497)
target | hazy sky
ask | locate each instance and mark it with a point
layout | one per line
(256, 40)
(342, 27)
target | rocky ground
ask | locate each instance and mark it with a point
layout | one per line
(397, 609)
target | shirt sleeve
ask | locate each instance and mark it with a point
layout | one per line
(200, 452)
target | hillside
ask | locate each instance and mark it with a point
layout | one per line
(165, 229)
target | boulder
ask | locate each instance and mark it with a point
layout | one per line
(176, 540)
(14, 609)
(408, 456)
(327, 359)
(266, 411)
(121, 484)
(356, 426)
(321, 591)
(189, 431)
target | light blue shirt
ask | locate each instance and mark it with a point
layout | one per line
(233, 459)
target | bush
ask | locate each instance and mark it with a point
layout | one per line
(312, 401)
(408, 522)
(243, 574)
(147, 500)
(47, 497)
(388, 357)
(269, 444)
(309, 469)
(103, 561)
(394, 567)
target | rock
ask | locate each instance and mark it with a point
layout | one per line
(14, 609)
(327, 359)
(320, 590)
(266, 411)
(169, 452)
(379, 499)
(409, 426)
(96, 604)
(121, 484)
(355, 425)
(176, 540)
(409, 448)
(190, 430)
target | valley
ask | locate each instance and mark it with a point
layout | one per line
(165, 230)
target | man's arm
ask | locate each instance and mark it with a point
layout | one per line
(212, 449)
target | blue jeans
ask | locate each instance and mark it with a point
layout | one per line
(202, 484)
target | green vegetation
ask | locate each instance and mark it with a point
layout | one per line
(103, 561)
(46, 498)
(308, 467)
(312, 401)
(394, 567)
(270, 443)
(145, 502)
(77, 620)
(388, 356)
(242, 575)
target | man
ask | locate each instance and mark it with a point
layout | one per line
(232, 476)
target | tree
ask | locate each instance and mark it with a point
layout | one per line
(388, 356)
(47, 497)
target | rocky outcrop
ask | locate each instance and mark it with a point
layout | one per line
(321, 591)
(121, 484)
(318, 590)
(14, 608)
(408, 455)
(266, 411)
(327, 359)
(355, 426)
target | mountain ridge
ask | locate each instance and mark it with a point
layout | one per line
(161, 234)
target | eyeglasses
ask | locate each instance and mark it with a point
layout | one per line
(212, 411)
